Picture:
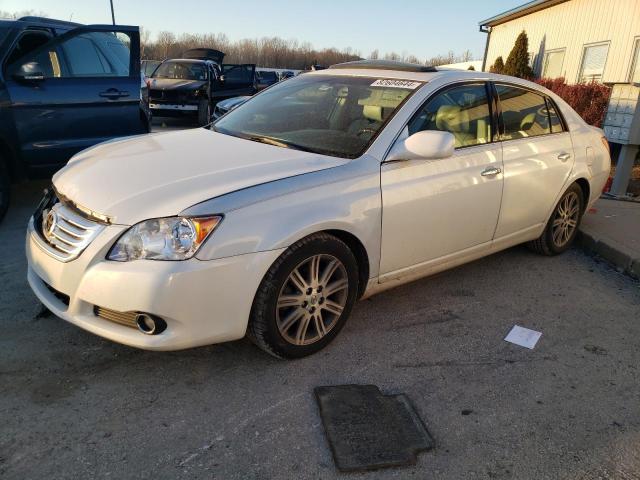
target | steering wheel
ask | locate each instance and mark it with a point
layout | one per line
(362, 131)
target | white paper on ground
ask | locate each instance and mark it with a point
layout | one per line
(523, 337)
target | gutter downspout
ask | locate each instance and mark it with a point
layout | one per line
(486, 30)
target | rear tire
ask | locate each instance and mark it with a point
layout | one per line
(204, 112)
(305, 298)
(5, 189)
(562, 227)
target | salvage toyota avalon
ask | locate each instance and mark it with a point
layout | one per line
(323, 189)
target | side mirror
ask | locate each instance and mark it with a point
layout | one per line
(29, 72)
(222, 79)
(427, 144)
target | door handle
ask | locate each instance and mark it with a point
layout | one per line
(564, 156)
(112, 94)
(490, 171)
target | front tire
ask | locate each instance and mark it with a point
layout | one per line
(305, 298)
(562, 227)
(204, 112)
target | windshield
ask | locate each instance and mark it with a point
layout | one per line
(332, 115)
(182, 71)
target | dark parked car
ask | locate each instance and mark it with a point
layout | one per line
(266, 79)
(193, 84)
(225, 106)
(64, 87)
(286, 74)
(148, 67)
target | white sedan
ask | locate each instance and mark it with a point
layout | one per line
(323, 189)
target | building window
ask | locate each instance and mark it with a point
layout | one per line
(594, 58)
(553, 61)
(635, 63)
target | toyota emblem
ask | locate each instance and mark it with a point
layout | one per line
(49, 224)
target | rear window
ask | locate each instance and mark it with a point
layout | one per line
(524, 113)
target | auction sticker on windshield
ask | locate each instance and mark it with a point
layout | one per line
(396, 84)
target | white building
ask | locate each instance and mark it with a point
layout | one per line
(580, 40)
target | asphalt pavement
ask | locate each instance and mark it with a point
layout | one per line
(73, 405)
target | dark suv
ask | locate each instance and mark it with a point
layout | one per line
(193, 84)
(64, 87)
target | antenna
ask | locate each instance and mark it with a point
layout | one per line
(113, 17)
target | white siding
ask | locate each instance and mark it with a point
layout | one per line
(572, 25)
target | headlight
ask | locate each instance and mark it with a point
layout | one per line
(172, 238)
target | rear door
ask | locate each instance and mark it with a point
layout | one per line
(84, 89)
(537, 156)
(238, 80)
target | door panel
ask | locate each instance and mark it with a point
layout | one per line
(433, 208)
(239, 80)
(534, 176)
(90, 93)
(537, 162)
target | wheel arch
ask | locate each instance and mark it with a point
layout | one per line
(359, 251)
(585, 186)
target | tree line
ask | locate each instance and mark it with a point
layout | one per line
(272, 52)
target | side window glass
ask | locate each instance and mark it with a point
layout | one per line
(88, 54)
(554, 118)
(524, 113)
(238, 73)
(463, 111)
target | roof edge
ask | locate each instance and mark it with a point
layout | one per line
(521, 11)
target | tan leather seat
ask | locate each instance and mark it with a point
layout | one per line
(452, 118)
(365, 126)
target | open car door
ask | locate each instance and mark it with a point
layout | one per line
(236, 80)
(79, 89)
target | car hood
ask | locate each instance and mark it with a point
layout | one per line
(161, 174)
(176, 84)
(233, 102)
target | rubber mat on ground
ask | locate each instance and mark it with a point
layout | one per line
(367, 430)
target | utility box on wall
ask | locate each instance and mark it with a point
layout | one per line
(622, 125)
(622, 122)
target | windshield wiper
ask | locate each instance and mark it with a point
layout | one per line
(279, 143)
(268, 141)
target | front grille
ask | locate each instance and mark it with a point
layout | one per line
(168, 95)
(128, 319)
(63, 232)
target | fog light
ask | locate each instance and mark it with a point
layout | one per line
(150, 325)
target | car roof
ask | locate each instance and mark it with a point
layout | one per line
(418, 74)
(188, 60)
(39, 21)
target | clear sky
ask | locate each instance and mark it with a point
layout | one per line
(424, 28)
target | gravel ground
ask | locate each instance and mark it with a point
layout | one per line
(75, 406)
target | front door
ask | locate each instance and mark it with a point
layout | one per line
(433, 209)
(75, 91)
(538, 158)
(238, 80)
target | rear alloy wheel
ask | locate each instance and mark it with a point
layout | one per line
(562, 227)
(5, 190)
(305, 298)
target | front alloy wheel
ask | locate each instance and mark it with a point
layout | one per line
(305, 298)
(312, 299)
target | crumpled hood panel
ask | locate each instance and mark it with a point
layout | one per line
(162, 174)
